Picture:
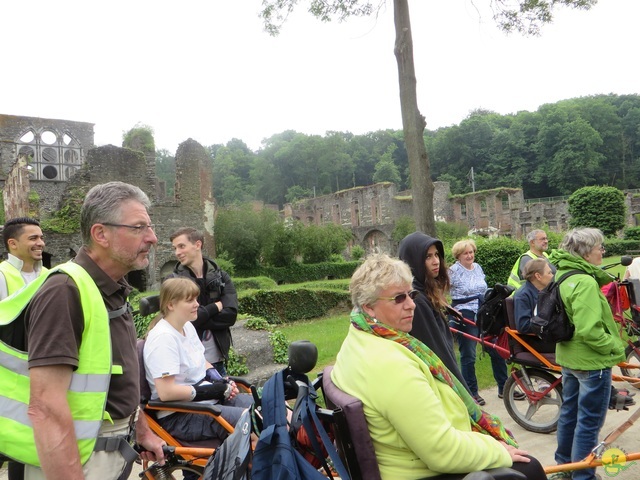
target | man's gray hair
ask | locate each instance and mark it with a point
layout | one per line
(580, 241)
(531, 236)
(103, 205)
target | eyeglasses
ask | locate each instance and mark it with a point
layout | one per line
(138, 229)
(401, 297)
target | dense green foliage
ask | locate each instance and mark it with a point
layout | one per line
(254, 283)
(236, 364)
(632, 233)
(140, 138)
(277, 306)
(67, 218)
(357, 252)
(497, 256)
(302, 272)
(553, 151)
(598, 207)
(251, 238)
(166, 170)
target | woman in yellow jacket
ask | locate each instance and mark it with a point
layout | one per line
(422, 421)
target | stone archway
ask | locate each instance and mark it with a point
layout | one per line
(376, 241)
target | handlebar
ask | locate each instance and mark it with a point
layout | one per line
(625, 261)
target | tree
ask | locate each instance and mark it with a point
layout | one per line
(526, 17)
(386, 170)
(598, 207)
(140, 138)
(296, 193)
(166, 169)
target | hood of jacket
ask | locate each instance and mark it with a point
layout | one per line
(413, 251)
(565, 262)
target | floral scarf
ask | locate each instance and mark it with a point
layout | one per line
(481, 421)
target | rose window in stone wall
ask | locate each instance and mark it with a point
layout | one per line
(50, 154)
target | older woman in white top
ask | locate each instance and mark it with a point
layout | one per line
(468, 285)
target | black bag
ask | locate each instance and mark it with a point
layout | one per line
(551, 323)
(492, 316)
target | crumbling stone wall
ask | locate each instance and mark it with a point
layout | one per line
(192, 206)
(15, 193)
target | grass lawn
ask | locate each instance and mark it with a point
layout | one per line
(329, 332)
(619, 270)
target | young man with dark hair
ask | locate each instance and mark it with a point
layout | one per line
(218, 301)
(24, 241)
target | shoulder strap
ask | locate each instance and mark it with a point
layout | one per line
(304, 411)
(273, 406)
(569, 274)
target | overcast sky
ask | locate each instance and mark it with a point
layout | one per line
(206, 69)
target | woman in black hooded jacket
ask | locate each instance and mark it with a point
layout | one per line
(430, 278)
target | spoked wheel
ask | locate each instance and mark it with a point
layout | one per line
(632, 354)
(540, 410)
(173, 472)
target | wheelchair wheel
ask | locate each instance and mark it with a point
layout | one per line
(173, 472)
(632, 355)
(537, 412)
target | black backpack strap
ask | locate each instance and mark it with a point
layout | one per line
(569, 274)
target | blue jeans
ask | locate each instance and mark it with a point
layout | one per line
(585, 401)
(467, 349)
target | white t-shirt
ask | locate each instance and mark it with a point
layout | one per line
(167, 352)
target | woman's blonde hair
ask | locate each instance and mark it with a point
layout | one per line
(460, 247)
(174, 290)
(378, 272)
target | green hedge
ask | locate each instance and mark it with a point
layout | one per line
(281, 306)
(496, 256)
(620, 247)
(254, 283)
(303, 272)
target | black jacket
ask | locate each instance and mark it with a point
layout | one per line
(429, 325)
(216, 285)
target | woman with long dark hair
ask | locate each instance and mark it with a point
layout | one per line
(425, 257)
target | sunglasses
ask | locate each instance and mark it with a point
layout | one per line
(401, 297)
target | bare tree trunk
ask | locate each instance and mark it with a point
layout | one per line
(413, 123)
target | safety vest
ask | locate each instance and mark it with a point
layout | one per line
(87, 394)
(14, 279)
(514, 277)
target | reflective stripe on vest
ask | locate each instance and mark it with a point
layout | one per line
(14, 278)
(87, 394)
(514, 277)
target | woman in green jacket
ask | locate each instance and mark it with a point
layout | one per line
(595, 347)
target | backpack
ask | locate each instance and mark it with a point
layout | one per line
(492, 316)
(551, 323)
(275, 455)
(231, 459)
